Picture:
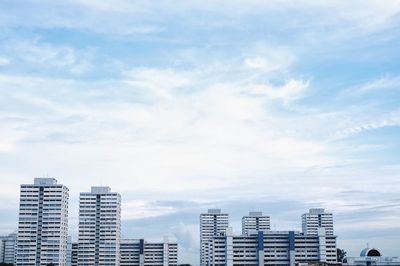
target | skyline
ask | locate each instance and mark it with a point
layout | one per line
(186, 106)
(235, 224)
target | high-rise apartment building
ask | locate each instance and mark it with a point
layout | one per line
(317, 218)
(7, 248)
(43, 223)
(99, 227)
(255, 222)
(212, 223)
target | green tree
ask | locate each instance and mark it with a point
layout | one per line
(341, 254)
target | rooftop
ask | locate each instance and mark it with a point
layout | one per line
(44, 181)
(100, 190)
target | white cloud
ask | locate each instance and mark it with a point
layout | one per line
(115, 6)
(373, 15)
(257, 63)
(382, 83)
(9, 138)
(341, 19)
(265, 57)
(48, 56)
(4, 61)
(139, 209)
(158, 83)
(219, 124)
(291, 90)
(368, 123)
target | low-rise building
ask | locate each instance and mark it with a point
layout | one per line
(138, 252)
(272, 248)
(372, 257)
(7, 248)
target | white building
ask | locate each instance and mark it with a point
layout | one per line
(43, 223)
(317, 218)
(137, 252)
(272, 248)
(212, 223)
(99, 227)
(7, 248)
(69, 251)
(372, 257)
(255, 222)
(74, 254)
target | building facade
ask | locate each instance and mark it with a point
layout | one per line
(212, 223)
(372, 257)
(69, 251)
(255, 222)
(7, 248)
(74, 254)
(43, 223)
(99, 227)
(137, 252)
(272, 248)
(317, 218)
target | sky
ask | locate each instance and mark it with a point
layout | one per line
(243, 105)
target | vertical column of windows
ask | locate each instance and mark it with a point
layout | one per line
(39, 227)
(97, 230)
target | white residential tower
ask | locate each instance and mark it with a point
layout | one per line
(317, 218)
(43, 223)
(212, 223)
(255, 222)
(99, 227)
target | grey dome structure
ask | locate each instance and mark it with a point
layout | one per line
(370, 252)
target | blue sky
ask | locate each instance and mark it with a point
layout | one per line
(277, 106)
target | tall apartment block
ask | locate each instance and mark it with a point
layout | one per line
(212, 223)
(255, 222)
(7, 248)
(99, 227)
(317, 218)
(43, 223)
(138, 252)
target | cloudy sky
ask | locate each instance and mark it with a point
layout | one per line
(180, 106)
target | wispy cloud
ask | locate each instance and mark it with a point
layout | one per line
(290, 91)
(46, 56)
(140, 210)
(356, 127)
(382, 83)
